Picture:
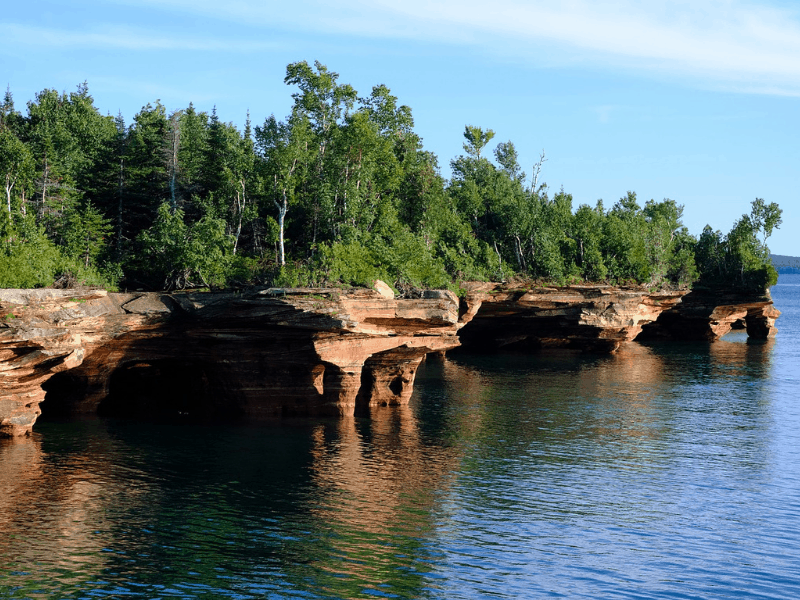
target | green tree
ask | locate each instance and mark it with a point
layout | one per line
(284, 151)
(664, 224)
(107, 184)
(325, 103)
(10, 118)
(16, 171)
(192, 155)
(175, 255)
(624, 246)
(229, 171)
(476, 140)
(146, 173)
(740, 257)
(68, 137)
(86, 234)
(765, 218)
(506, 155)
(587, 230)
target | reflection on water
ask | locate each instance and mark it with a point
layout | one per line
(380, 485)
(660, 471)
(598, 476)
(62, 498)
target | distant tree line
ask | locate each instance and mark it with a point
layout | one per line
(340, 191)
(786, 264)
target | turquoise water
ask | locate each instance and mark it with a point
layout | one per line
(664, 471)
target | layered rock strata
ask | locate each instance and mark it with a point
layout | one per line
(264, 353)
(255, 354)
(706, 314)
(601, 317)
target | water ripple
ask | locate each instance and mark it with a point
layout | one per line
(664, 471)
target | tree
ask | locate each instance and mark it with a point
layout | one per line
(147, 179)
(492, 200)
(765, 217)
(740, 256)
(54, 152)
(587, 231)
(284, 149)
(324, 101)
(86, 234)
(506, 155)
(228, 170)
(175, 255)
(10, 118)
(68, 139)
(106, 185)
(663, 225)
(192, 156)
(16, 170)
(326, 104)
(477, 139)
(171, 152)
(624, 247)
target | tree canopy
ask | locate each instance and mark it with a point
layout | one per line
(339, 191)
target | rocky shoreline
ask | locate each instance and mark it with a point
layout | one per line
(264, 353)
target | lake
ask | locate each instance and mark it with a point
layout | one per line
(667, 470)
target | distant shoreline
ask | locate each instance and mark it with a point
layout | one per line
(785, 264)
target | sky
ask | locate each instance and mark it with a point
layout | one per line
(696, 101)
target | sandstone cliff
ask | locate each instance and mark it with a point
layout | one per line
(271, 352)
(253, 354)
(601, 317)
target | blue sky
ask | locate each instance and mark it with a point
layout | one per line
(695, 101)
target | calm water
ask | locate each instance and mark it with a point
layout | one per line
(664, 471)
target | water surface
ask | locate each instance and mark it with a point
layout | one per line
(663, 471)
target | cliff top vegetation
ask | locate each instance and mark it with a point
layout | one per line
(339, 191)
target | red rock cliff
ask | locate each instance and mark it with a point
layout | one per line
(253, 354)
(272, 352)
(601, 317)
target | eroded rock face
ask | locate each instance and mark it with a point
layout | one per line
(272, 352)
(585, 317)
(710, 314)
(254, 354)
(600, 317)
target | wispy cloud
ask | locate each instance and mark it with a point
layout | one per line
(740, 44)
(120, 38)
(747, 46)
(743, 45)
(604, 112)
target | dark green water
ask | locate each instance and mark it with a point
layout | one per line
(664, 471)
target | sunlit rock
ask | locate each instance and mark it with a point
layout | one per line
(273, 352)
(601, 317)
(260, 353)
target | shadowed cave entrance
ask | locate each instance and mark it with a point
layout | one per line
(162, 390)
(168, 389)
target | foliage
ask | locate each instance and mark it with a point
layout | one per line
(175, 255)
(741, 257)
(28, 259)
(339, 192)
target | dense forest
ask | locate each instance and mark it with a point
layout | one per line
(340, 191)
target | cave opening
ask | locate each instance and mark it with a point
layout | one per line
(168, 389)
(396, 385)
(165, 389)
(66, 395)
